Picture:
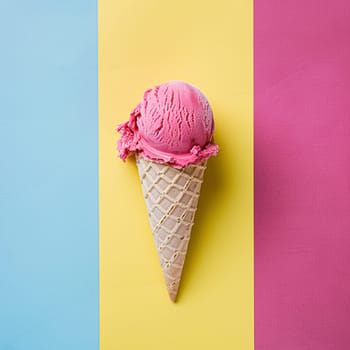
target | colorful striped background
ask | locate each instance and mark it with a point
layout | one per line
(268, 266)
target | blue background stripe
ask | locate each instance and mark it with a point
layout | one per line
(48, 180)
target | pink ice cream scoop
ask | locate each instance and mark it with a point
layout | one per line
(172, 124)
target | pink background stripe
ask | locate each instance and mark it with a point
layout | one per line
(302, 174)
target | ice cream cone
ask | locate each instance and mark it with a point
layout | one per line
(171, 196)
(170, 131)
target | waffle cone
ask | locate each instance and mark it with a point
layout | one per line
(171, 196)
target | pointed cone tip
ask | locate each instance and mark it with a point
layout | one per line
(173, 297)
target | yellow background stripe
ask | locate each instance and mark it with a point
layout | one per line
(209, 44)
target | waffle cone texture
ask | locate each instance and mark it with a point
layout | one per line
(171, 197)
